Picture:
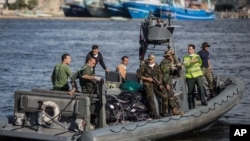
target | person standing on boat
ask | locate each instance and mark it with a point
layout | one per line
(87, 77)
(159, 23)
(121, 68)
(174, 64)
(194, 75)
(167, 67)
(97, 55)
(206, 67)
(146, 72)
(60, 75)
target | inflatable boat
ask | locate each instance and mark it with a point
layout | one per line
(50, 115)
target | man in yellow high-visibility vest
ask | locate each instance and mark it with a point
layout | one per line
(192, 63)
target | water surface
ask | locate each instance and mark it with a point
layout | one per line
(30, 49)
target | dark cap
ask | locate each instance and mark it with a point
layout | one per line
(205, 44)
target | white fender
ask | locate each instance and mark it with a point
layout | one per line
(55, 108)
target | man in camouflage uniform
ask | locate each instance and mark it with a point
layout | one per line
(168, 66)
(146, 72)
(206, 67)
(87, 77)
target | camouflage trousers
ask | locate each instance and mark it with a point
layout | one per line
(166, 99)
(151, 90)
(209, 76)
(174, 102)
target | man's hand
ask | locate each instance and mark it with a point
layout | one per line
(168, 87)
(179, 65)
(98, 78)
(107, 70)
(71, 92)
(194, 60)
(150, 79)
(161, 87)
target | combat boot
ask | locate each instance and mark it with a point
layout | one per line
(177, 112)
(166, 114)
(211, 95)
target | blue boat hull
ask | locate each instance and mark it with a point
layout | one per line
(116, 10)
(192, 14)
(142, 10)
(139, 10)
(164, 11)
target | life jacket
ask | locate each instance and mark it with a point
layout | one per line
(193, 70)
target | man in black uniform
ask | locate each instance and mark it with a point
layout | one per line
(96, 54)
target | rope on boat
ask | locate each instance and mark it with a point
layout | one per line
(212, 108)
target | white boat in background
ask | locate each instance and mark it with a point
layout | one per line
(31, 14)
(96, 8)
(43, 14)
(116, 18)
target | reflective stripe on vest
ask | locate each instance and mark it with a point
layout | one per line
(193, 70)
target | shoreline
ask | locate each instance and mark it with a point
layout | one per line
(12, 14)
(53, 18)
(220, 15)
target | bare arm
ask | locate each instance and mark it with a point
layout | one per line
(74, 88)
(121, 71)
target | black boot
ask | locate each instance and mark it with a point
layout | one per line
(190, 102)
(166, 114)
(193, 101)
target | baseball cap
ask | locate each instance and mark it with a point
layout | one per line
(151, 57)
(168, 52)
(205, 44)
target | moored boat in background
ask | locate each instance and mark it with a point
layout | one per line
(96, 8)
(141, 8)
(115, 8)
(193, 10)
(193, 14)
(75, 9)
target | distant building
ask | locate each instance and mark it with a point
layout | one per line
(50, 5)
(4, 2)
(237, 3)
(43, 5)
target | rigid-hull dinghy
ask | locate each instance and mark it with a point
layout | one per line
(56, 116)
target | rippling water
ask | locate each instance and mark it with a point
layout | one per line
(30, 49)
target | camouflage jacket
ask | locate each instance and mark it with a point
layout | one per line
(165, 67)
(84, 70)
(146, 71)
